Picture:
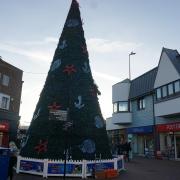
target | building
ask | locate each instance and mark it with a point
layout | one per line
(21, 135)
(10, 98)
(146, 110)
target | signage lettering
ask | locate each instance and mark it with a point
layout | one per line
(168, 127)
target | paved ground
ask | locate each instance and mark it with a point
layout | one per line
(137, 169)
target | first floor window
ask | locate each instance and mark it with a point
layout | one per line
(4, 101)
(141, 104)
(177, 86)
(170, 89)
(5, 80)
(115, 107)
(164, 91)
(123, 106)
(158, 93)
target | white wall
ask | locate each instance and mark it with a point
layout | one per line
(166, 72)
(110, 125)
(123, 118)
(120, 91)
(167, 107)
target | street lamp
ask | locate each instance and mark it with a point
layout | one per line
(132, 53)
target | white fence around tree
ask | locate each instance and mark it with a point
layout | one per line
(84, 168)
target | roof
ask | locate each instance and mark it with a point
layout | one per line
(124, 81)
(8, 65)
(174, 57)
(143, 84)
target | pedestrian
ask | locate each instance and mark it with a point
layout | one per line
(12, 159)
(120, 147)
(127, 149)
(12, 162)
(114, 149)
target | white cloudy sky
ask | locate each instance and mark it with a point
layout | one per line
(30, 30)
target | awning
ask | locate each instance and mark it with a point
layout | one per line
(140, 130)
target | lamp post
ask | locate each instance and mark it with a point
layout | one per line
(132, 53)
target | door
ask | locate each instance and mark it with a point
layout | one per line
(1, 138)
(178, 147)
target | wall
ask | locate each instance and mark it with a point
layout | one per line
(165, 66)
(171, 106)
(142, 117)
(120, 91)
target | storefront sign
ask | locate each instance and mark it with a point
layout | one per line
(168, 127)
(4, 127)
(140, 130)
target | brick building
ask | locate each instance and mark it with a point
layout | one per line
(10, 99)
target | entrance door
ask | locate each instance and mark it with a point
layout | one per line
(1, 139)
(178, 146)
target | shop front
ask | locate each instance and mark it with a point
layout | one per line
(169, 138)
(141, 139)
(115, 136)
(4, 134)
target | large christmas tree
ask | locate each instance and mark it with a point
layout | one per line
(68, 114)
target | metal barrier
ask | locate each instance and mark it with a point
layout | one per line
(83, 169)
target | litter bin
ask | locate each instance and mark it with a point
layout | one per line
(4, 162)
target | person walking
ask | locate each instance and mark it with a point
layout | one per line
(12, 159)
(127, 149)
(12, 162)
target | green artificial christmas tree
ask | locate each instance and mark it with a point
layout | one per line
(68, 115)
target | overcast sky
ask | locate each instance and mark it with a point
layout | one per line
(30, 29)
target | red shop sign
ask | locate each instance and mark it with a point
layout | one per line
(4, 127)
(168, 127)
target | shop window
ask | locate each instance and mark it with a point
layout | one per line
(177, 86)
(141, 103)
(115, 107)
(158, 93)
(170, 89)
(164, 91)
(123, 106)
(5, 80)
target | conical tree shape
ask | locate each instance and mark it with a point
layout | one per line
(69, 87)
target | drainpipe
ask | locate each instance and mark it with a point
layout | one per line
(154, 128)
(175, 150)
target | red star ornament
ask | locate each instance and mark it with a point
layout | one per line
(69, 69)
(54, 107)
(41, 147)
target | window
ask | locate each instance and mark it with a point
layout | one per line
(5, 80)
(141, 104)
(170, 89)
(177, 86)
(164, 91)
(123, 106)
(115, 107)
(158, 93)
(4, 101)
